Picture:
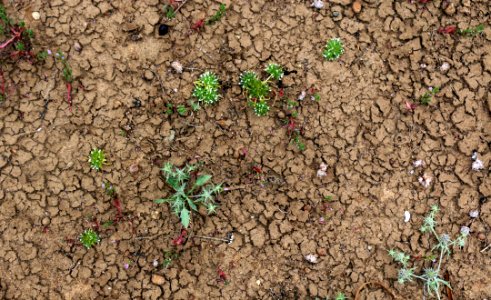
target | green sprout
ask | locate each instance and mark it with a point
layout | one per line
(89, 238)
(428, 96)
(182, 110)
(472, 31)
(258, 90)
(66, 71)
(430, 276)
(194, 105)
(206, 89)
(97, 158)
(333, 50)
(298, 142)
(19, 46)
(340, 296)
(189, 192)
(218, 15)
(169, 12)
(42, 55)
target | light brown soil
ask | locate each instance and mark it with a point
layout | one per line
(360, 128)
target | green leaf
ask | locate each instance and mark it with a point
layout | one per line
(185, 217)
(191, 204)
(160, 201)
(202, 180)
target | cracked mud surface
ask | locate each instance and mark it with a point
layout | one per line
(360, 129)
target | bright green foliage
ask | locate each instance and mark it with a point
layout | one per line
(189, 193)
(333, 50)
(472, 31)
(97, 158)
(430, 276)
(340, 296)
(218, 15)
(428, 96)
(89, 238)
(19, 46)
(206, 89)
(169, 12)
(258, 90)
(182, 110)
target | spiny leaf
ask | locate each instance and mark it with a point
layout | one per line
(202, 180)
(185, 217)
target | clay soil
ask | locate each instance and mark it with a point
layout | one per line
(360, 128)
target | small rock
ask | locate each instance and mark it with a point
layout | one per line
(465, 230)
(134, 168)
(148, 75)
(477, 165)
(444, 67)
(77, 47)
(357, 7)
(318, 4)
(336, 13)
(449, 9)
(474, 213)
(157, 279)
(46, 221)
(407, 216)
(177, 66)
(155, 263)
(163, 29)
(322, 251)
(36, 15)
(481, 236)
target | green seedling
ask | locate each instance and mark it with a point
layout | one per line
(258, 90)
(428, 96)
(206, 88)
(218, 15)
(97, 158)
(182, 110)
(194, 105)
(298, 141)
(328, 198)
(169, 11)
(472, 31)
(108, 189)
(433, 282)
(190, 191)
(89, 238)
(169, 257)
(340, 296)
(333, 49)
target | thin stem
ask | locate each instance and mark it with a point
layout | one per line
(440, 261)
(211, 238)
(434, 232)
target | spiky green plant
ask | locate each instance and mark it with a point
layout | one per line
(472, 31)
(333, 49)
(258, 90)
(206, 88)
(428, 96)
(430, 276)
(189, 192)
(89, 238)
(340, 296)
(97, 158)
(218, 15)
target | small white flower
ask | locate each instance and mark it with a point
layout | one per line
(477, 165)
(423, 66)
(321, 173)
(444, 67)
(465, 230)
(311, 258)
(474, 213)
(418, 163)
(407, 216)
(318, 4)
(425, 180)
(302, 95)
(155, 263)
(323, 167)
(474, 155)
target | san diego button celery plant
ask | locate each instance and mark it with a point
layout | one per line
(333, 49)
(258, 90)
(206, 88)
(190, 191)
(430, 276)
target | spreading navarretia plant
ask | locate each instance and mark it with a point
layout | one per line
(89, 238)
(190, 191)
(97, 158)
(431, 275)
(333, 49)
(258, 90)
(206, 88)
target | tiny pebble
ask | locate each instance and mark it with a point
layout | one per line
(357, 7)
(148, 75)
(163, 29)
(157, 279)
(481, 236)
(177, 66)
(36, 15)
(465, 230)
(258, 282)
(134, 168)
(370, 248)
(474, 213)
(407, 216)
(45, 221)
(155, 263)
(77, 47)
(444, 67)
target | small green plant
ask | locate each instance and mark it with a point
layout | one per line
(182, 110)
(194, 105)
(340, 296)
(333, 49)
(206, 89)
(428, 96)
(430, 276)
(89, 238)
(298, 141)
(169, 257)
(169, 11)
(472, 31)
(108, 189)
(189, 193)
(218, 15)
(258, 90)
(97, 158)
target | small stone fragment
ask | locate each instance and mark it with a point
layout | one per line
(134, 168)
(177, 66)
(163, 29)
(148, 75)
(77, 47)
(450, 9)
(157, 279)
(36, 15)
(444, 67)
(357, 7)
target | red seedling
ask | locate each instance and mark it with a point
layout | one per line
(119, 209)
(281, 93)
(257, 169)
(291, 126)
(410, 106)
(198, 25)
(222, 277)
(16, 35)
(181, 238)
(450, 29)
(69, 94)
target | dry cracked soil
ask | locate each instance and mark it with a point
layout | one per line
(360, 128)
